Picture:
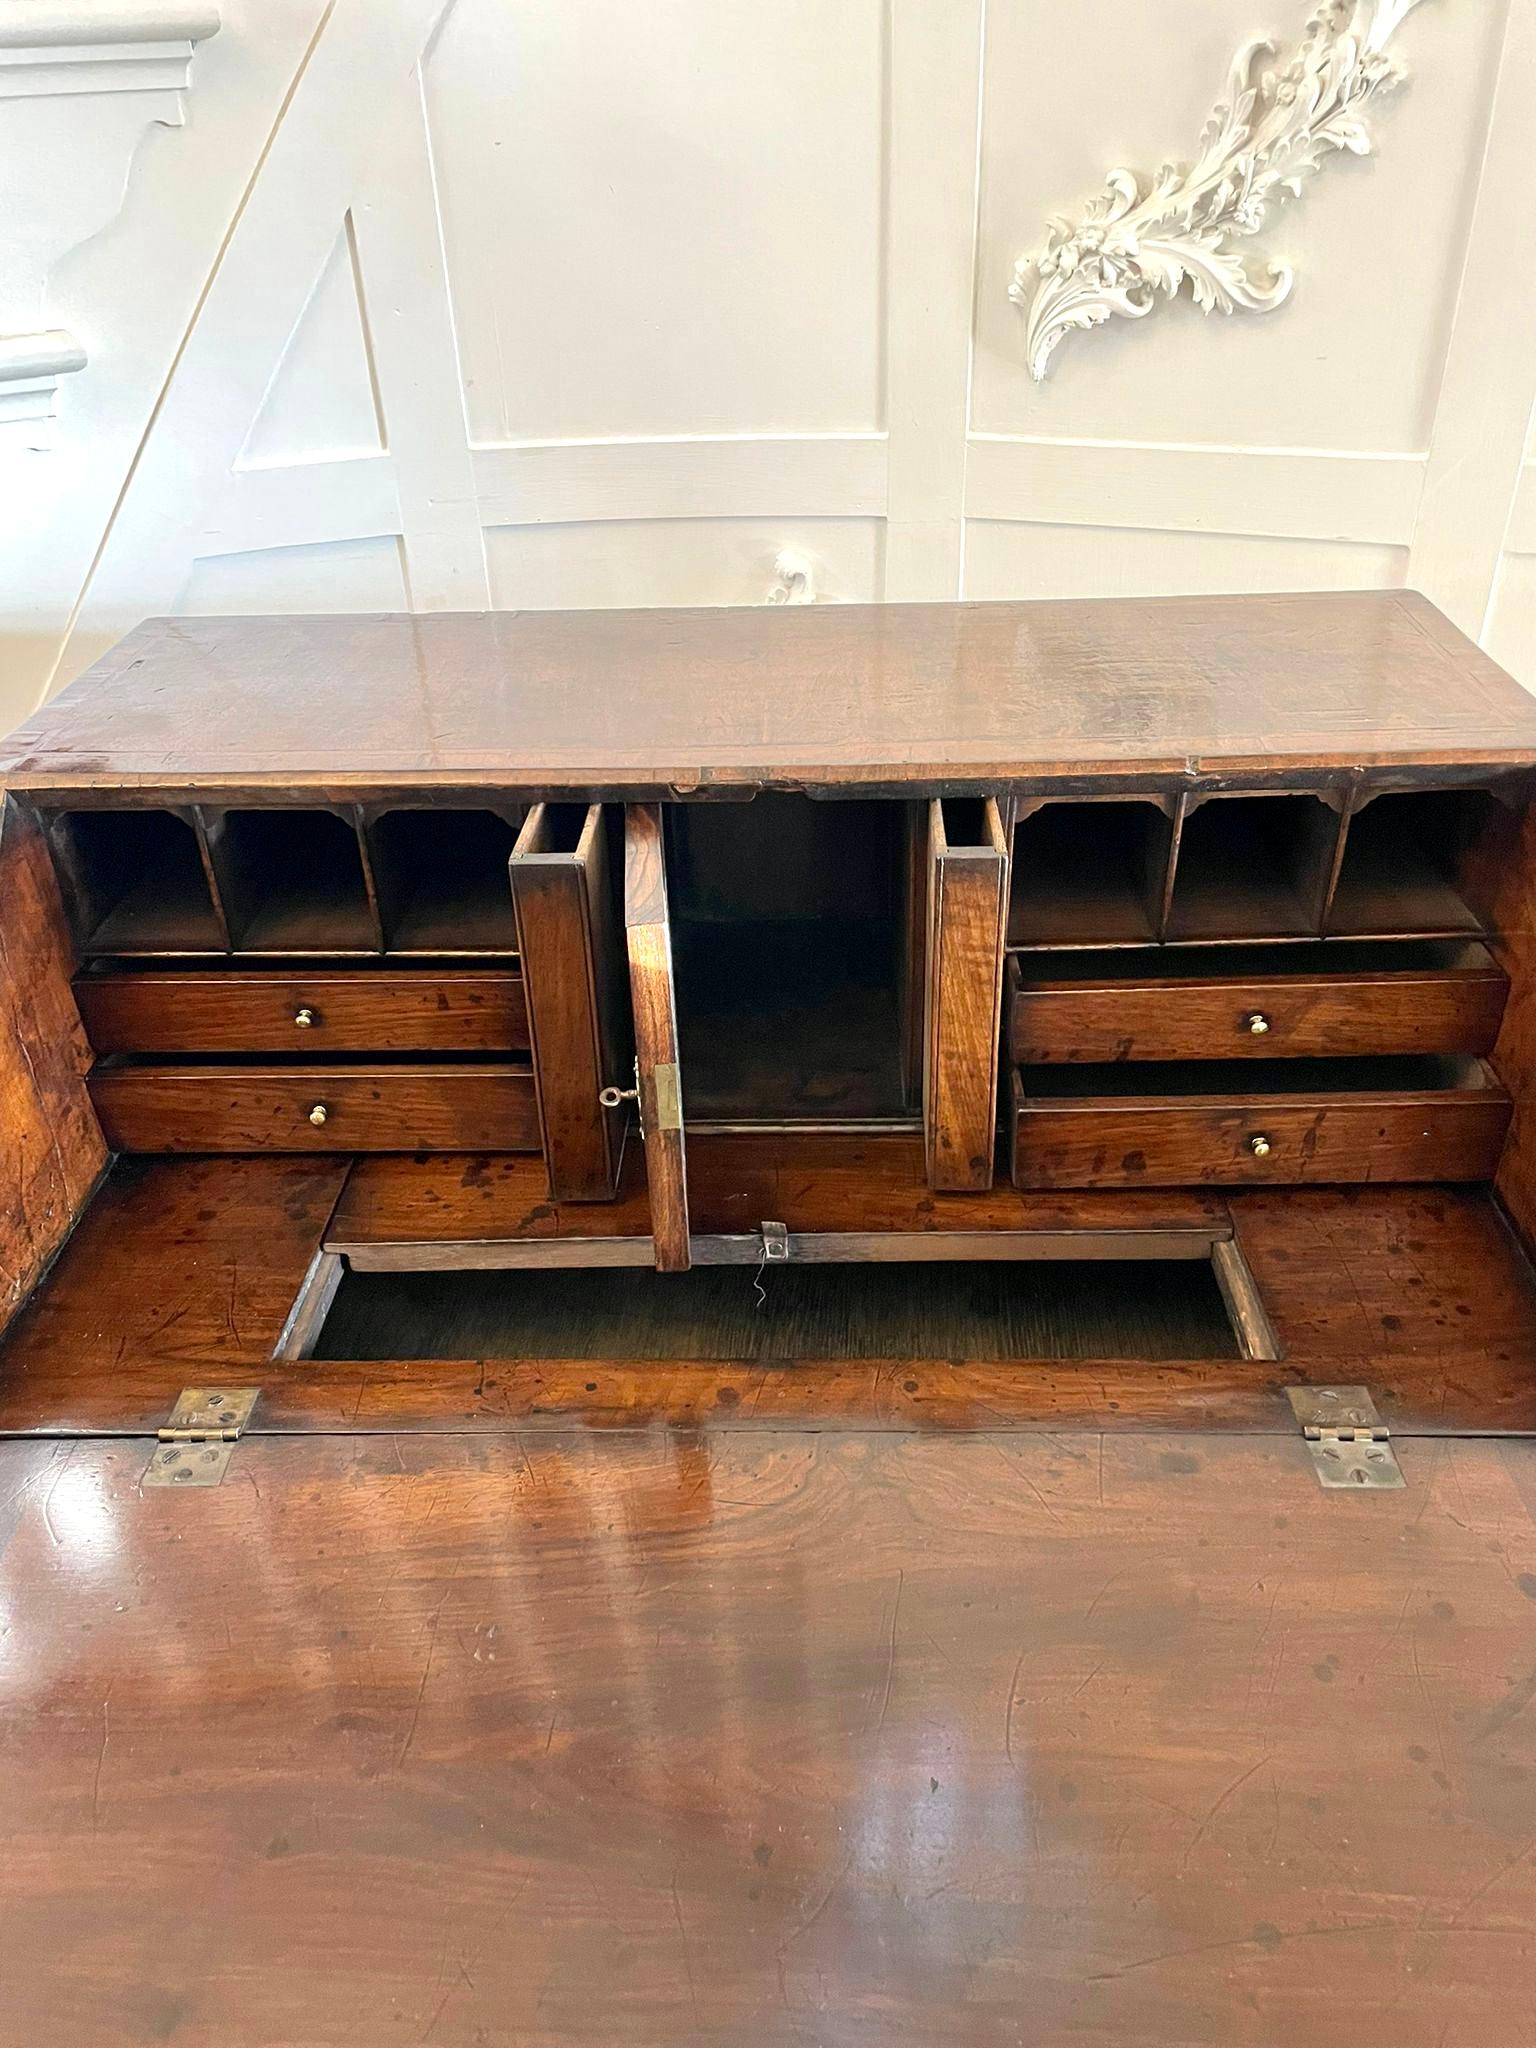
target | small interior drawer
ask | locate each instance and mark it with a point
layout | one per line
(1234, 1123)
(1254, 1003)
(216, 1107)
(302, 1013)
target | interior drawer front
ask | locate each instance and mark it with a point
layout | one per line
(304, 1013)
(271, 1109)
(1229, 1141)
(1263, 1017)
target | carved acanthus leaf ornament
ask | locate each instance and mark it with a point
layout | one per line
(1273, 131)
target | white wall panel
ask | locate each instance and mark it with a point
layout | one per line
(1007, 559)
(331, 576)
(677, 561)
(321, 401)
(1511, 632)
(663, 219)
(1511, 636)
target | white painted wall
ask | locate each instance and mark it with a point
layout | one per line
(578, 302)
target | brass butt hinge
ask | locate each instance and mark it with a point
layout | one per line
(1349, 1442)
(669, 1095)
(196, 1444)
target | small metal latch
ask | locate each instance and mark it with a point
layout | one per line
(1349, 1442)
(775, 1244)
(197, 1443)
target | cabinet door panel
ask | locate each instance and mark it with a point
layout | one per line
(653, 1001)
(565, 895)
(967, 912)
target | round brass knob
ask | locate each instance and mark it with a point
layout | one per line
(304, 1017)
(1258, 1145)
(1258, 1024)
(319, 1114)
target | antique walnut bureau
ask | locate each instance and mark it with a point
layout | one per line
(1054, 931)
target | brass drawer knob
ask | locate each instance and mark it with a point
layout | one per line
(1259, 1146)
(1258, 1024)
(319, 1114)
(304, 1017)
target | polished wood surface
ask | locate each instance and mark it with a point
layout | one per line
(442, 1010)
(705, 1737)
(903, 696)
(52, 1145)
(967, 898)
(232, 1109)
(1256, 1007)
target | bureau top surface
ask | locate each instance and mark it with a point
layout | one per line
(882, 695)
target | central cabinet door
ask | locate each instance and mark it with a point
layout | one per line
(589, 887)
(565, 896)
(653, 1001)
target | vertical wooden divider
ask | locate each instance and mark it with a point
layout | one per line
(914, 950)
(564, 896)
(230, 888)
(1162, 892)
(357, 818)
(967, 934)
(205, 853)
(653, 998)
(1343, 802)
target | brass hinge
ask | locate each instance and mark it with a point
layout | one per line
(1349, 1442)
(667, 1089)
(196, 1444)
(669, 1096)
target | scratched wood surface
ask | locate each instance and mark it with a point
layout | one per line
(201, 1261)
(50, 1142)
(185, 1268)
(909, 696)
(712, 1740)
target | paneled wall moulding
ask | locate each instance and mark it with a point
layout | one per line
(98, 72)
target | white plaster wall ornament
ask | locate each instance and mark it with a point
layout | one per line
(796, 578)
(1145, 236)
(83, 80)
